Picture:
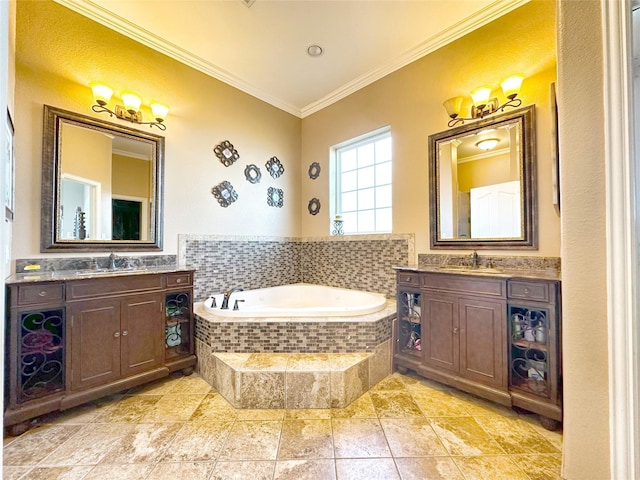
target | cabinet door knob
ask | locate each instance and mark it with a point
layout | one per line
(125, 333)
(179, 280)
(526, 290)
(116, 335)
(455, 329)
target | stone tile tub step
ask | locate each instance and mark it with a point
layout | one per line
(293, 380)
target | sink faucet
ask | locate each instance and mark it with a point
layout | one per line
(227, 295)
(112, 261)
(474, 259)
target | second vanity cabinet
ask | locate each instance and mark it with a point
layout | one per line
(73, 339)
(493, 336)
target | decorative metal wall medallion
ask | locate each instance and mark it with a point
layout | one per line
(226, 153)
(275, 197)
(314, 206)
(274, 167)
(252, 173)
(224, 193)
(314, 170)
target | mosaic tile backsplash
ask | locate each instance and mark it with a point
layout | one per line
(363, 263)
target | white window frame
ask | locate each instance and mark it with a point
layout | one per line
(335, 183)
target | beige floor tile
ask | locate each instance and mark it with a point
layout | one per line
(198, 442)
(366, 469)
(515, 435)
(308, 414)
(391, 382)
(360, 408)
(173, 408)
(88, 446)
(82, 414)
(394, 404)
(479, 406)
(214, 408)
(489, 467)
(180, 470)
(412, 380)
(305, 470)
(33, 446)
(159, 387)
(359, 438)
(438, 403)
(145, 443)
(464, 436)
(540, 467)
(432, 468)
(130, 409)
(244, 470)
(58, 473)
(252, 440)
(14, 473)
(306, 439)
(412, 437)
(190, 384)
(132, 471)
(260, 414)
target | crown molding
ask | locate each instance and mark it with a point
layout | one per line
(133, 31)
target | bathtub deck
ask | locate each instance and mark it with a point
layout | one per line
(296, 380)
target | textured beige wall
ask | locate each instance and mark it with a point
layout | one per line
(410, 100)
(60, 52)
(584, 315)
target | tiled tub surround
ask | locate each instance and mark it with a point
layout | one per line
(294, 363)
(364, 262)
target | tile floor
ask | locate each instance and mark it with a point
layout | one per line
(180, 428)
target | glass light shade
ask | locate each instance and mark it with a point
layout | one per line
(159, 111)
(481, 95)
(453, 106)
(487, 143)
(131, 102)
(101, 93)
(511, 86)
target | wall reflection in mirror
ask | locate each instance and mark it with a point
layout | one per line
(104, 182)
(481, 184)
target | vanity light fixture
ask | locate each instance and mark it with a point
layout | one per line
(483, 103)
(130, 110)
(487, 144)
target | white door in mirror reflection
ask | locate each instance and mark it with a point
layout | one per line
(78, 193)
(500, 207)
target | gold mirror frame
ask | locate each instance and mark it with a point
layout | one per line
(51, 182)
(525, 119)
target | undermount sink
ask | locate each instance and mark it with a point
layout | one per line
(109, 271)
(468, 269)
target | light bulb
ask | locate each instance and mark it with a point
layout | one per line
(159, 111)
(101, 93)
(131, 102)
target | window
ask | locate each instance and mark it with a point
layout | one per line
(362, 183)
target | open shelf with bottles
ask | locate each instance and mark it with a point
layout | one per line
(409, 322)
(178, 324)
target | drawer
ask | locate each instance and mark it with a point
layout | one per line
(121, 285)
(178, 279)
(447, 282)
(537, 291)
(409, 278)
(30, 294)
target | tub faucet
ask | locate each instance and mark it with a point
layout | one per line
(227, 295)
(474, 259)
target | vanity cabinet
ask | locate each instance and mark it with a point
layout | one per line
(470, 333)
(72, 340)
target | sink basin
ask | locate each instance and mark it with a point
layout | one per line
(109, 271)
(467, 269)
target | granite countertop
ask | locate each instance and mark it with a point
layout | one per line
(63, 275)
(515, 273)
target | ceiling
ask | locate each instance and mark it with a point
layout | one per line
(261, 49)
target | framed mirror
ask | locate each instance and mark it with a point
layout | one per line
(102, 185)
(482, 179)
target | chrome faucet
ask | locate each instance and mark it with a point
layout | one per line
(227, 295)
(474, 259)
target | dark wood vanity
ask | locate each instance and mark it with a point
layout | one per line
(77, 336)
(495, 336)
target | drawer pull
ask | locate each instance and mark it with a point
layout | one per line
(116, 335)
(526, 290)
(42, 293)
(179, 280)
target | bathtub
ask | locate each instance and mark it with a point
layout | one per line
(298, 300)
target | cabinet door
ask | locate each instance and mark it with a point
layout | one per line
(142, 334)
(482, 340)
(441, 342)
(95, 342)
